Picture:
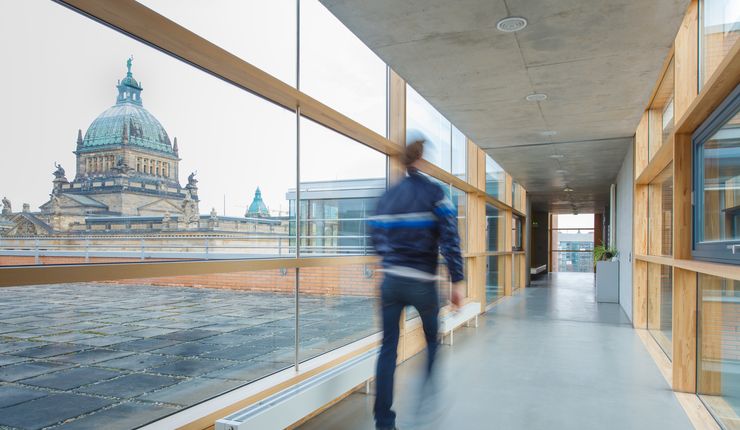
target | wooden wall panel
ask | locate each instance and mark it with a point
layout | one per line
(682, 185)
(639, 294)
(684, 330)
(641, 144)
(686, 59)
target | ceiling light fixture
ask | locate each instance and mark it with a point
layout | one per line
(567, 189)
(557, 156)
(561, 172)
(549, 133)
(536, 97)
(510, 24)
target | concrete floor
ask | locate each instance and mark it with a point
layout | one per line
(547, 358)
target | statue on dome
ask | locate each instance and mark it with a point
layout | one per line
(59, 173)
(192, 182)
(7, 208)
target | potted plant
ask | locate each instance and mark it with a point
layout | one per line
(607, 274)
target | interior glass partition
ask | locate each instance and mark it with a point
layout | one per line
(572, 242)
(718, 379)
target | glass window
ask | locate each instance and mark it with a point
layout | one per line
(459, 153)
(495, 278)
(720, 30)
(572, 242)
(338, 69)
(660, 119)
(718, 337)
(516, 233)
(242, 27)
(495, 179)
(341, 181)
(494, 228)
(422, 117)
(460, 201)
(660, 213)
(717, 166)
(660, 305)
(225, 198)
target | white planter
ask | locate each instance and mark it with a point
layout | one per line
(607, 281)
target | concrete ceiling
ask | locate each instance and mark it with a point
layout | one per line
(597, 60)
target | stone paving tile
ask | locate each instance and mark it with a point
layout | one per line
(124, 416)
(138, 362)
(91, 356)
(71, 378)
(11, 359)
(115, 329)
(31, 333)
(18, 371)
(228, 339)
(192, 391)
(66, 337)
(150, 332)
(83, 325)
(106, 340)
(8, 328)
(189, 349)
(146, 344)
(191, 367)
(189, 335)
(128, 386)
(50, 350)
(14, 346)
(11, 395)
(49, 410)
(245, 352)
(248, 371)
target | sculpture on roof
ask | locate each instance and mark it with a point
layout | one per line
(59, 173)
(7, 208)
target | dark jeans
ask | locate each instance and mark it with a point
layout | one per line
(396, 293)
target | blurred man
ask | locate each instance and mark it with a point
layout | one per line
(414, 221)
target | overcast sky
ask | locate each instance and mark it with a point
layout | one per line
(60, 73)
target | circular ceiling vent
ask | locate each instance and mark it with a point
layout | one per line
(536, 97)
(511, 24)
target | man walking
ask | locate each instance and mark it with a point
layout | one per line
(414, 222)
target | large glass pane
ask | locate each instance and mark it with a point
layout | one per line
(174, 168)
(460, 201)
(721, 184)
(459, 153)
(495, 277)
(242, 27)
(660, 305)
(339, 70)
(422, 117)
(338, 305)
(495, 179)
(718, 378)
(341, 181)
(660, 120)
(135, 350)
(516, 233)
(660, 213)
(720, 30)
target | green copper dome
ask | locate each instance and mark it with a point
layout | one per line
(257, 209)
(126, 123)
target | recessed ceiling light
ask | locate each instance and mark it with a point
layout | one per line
(511, 24)
(568, 190)
(561, 172)
(549, 133)
(557, 156)
(536, 97)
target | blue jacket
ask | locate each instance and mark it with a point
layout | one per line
(413, 223)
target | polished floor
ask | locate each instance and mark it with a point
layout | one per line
(549, 358)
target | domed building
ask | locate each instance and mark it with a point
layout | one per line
(126, 165)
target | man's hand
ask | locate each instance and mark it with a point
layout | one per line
(458, 294)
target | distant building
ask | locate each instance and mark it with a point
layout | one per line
(578, 252)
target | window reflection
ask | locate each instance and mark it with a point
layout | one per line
(423, 117)
(721, 184)
(660, 305)
(660, 213)
(495, 179)
(720, 30)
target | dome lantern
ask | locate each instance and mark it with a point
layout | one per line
(129, 91)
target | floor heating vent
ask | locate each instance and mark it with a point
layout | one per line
(292, 404)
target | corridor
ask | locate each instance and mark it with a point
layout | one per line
(549, 357)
